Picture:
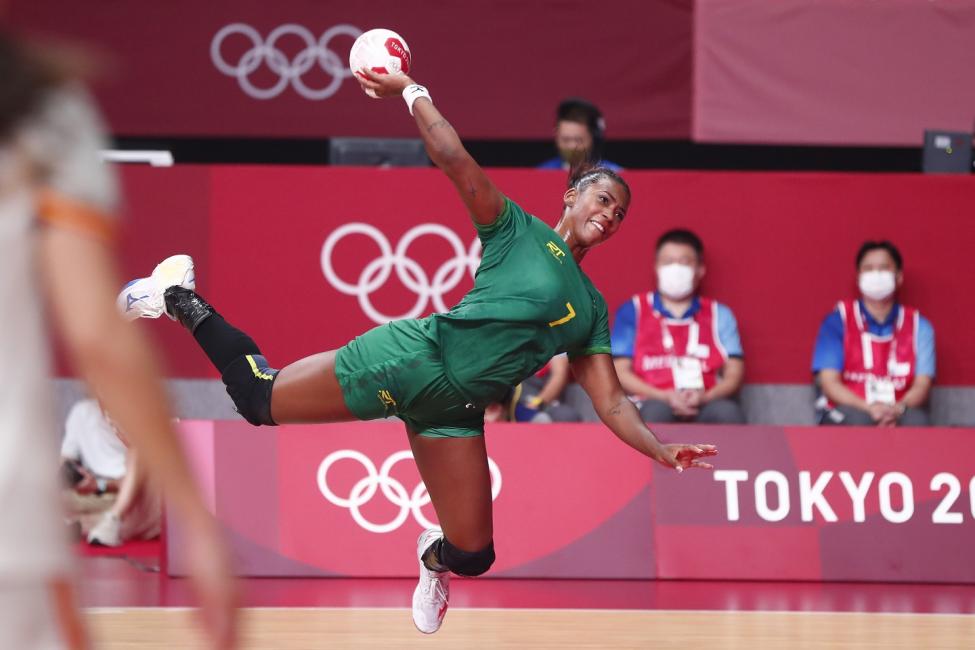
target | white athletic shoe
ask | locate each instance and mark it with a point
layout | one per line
(432, 591)
(143, 298)
(107, 532)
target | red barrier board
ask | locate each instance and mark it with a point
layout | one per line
(306, 258)
(346, 499)
(782, 503)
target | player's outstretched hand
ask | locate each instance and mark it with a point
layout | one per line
(681, 456)
(384, 85)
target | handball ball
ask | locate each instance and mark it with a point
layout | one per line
(380, 50)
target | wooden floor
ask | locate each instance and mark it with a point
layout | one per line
(294, 628)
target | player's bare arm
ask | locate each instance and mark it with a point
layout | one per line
(483, 200)
(597, 376)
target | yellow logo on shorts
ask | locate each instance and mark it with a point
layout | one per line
(556, 252)
(387, 398)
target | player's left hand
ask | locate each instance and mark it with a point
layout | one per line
(384, 85)
(682, 456)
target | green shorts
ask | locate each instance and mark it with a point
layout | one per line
(396, 369)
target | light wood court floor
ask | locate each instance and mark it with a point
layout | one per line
(306, 629)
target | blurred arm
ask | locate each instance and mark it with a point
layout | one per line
(731, 377)
(832, 384)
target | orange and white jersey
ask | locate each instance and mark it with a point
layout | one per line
(50, 172)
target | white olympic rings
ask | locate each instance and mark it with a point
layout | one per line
(288, 71)
(408, 270)
(365, 489)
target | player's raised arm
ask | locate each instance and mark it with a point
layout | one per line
(482, 198)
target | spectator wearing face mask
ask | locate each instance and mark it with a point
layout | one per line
(874, 359)
(678, 353)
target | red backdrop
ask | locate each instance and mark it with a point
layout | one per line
(496, 67)
(792, 71)
(779, 249)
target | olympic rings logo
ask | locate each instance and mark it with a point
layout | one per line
(288, 71)
(365, 489)
(408, 270)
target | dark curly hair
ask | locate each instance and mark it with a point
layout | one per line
(581, 176)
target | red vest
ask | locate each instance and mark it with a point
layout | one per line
(892, 357)
(655, 353)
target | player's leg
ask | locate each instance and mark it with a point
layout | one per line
(305, 391)
(308, 390)
(455, 471)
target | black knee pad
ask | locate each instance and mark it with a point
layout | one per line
(249, 380)
(466, 563)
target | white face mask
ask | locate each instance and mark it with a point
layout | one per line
(877, 285)
(676, 281)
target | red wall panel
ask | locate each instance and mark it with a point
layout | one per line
(834, 72)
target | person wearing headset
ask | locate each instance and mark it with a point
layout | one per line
(579, 136)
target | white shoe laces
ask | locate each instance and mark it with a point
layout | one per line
(433, 590)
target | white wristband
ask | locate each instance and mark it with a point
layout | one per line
(412, 93)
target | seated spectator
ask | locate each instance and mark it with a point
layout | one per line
(678, 354)
(579, 136)
(874, 358)
(539, 396)
(109, 496)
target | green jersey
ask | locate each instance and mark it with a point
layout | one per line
(530, 302)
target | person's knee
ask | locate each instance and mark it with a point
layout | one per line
(655, 410)
(249, 380)
(722, 411)
(854, 417)
(914, 417)
(466, 563)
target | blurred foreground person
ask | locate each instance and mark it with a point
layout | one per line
(57, 206)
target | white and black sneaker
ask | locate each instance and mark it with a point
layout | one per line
(432, 591)
(145, 297)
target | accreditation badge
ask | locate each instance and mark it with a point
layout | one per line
(880, 390)
(688, 374)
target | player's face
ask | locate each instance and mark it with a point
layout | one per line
(599, 211)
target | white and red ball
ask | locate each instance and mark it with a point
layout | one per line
(380, 50)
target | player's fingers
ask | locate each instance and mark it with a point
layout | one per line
(702, 465)
(670, 458)
(368, 78)
(369, 74)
